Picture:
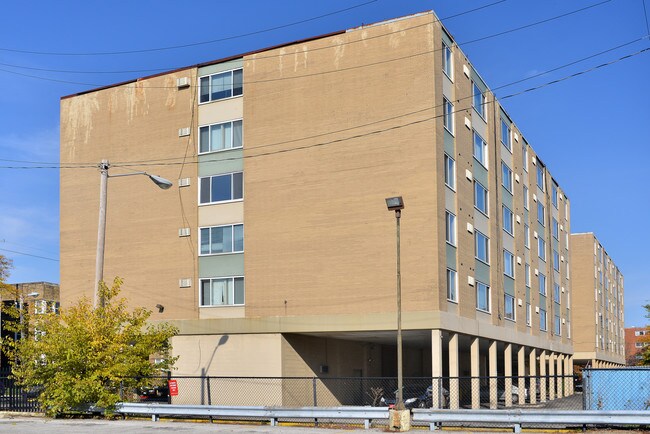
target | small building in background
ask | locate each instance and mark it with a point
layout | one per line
(636, 339)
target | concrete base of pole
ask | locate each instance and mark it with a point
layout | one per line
(399, 420)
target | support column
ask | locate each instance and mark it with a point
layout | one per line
(568, 375)
(532, 366)
(571, 370)
(474, 361)
(507, 372)
(559, 369)
(436, 368)
(551, 376)
(492, 354)
(454, 395)
(521, 373)
(542, 374)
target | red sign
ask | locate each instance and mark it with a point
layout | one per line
(173, 387)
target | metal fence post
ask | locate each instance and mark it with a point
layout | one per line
(313, 382)
(169, 395)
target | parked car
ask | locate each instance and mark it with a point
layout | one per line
(501, 394)
(415, 397)
(154, 393)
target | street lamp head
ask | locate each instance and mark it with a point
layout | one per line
(33, 294)
(160, 182)
(395, 203)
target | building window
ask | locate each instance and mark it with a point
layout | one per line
(450, 172)
(222, 239)
(542, 284)
(480, 197)
(508, 264)
(554, 194)
(452, 285)
(448, 115)
(556, 260)
(555, 228)
(526, 200)
(222, 85)
(482, 247)
(508, 220)
(527, 277)
(219, 137)
(478, 100)
(482, 297)
(556, 293)
(528, 314)
(526, 236)
(558, 326)
(541, 248)
(505, 135)
(540, 176)
(542, 320)
(507, 176)
(228, 291)
(525, 157)
(221, 188)
(509, 307)
(541, 213)
(480, 150)
(447, 61)
(450, 228)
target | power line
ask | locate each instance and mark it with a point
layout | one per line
(29, 254)
(645, 15)
(161, 163)
(174, 47)
(332, 46)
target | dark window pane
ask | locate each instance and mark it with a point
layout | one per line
(205, 89)
(239, 238)
(205, 293)
(237, 141)
(205, 190)
(204, 139)
(221, 188)
(237, 82)
(239, 290)
(205, 241)
(237, 185)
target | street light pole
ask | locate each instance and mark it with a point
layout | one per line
(163, 183)
(397, 204)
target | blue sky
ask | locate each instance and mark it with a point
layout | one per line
(590, 130)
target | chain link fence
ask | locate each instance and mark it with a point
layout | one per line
(617, 389)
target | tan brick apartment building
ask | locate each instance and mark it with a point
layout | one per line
(274, 252)
(597, 304)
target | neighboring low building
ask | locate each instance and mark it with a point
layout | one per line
(597, 304)
(636, 340)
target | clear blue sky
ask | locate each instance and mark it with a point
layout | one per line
(590, 130)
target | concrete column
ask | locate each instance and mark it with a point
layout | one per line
(559, 369)
(521, 373)
(474, 364)
(542, 374)
(507, 372)
(551, 376)
(436, 368)
(568, 375)
(532, 366)
(571, 370)
(492, 354)
(454, 391)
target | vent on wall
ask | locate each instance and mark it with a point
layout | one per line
(184, 232)
(182, 132)
(184, 182)
(182, 82)
(185, 283)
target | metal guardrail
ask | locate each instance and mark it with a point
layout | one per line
(516, 418)
(367, 414)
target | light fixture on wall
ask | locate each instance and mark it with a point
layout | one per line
(160, 308)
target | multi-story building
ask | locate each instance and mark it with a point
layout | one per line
(636, 340)
(597, 304)
(276, 239)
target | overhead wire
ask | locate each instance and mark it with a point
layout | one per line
(29, 254)
(162, 163)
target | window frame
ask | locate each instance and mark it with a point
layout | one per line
(557, 323)
(452, 293)
(508, 262)
(529, 314)
(542, 320)
(526, 198)
(507, 136)
(486, 199)
(451, 234)
(447, 61)
(448, 115)
(232, 239)
(232, 188)
(556, 260)
(541, 177)
(482, 145)
(555, 228)
(209, 86)
(447, 168)
(525, 157)
(541, 248)
(527, 275)
(509, 300)
(487, 297)
(556, 293)
(510, 219)
(478, 234)
(232, 136)
(480, 111)
(506, 177)
(554, 194)
(541, 213)
(526, 236)
(231, 278)
(541, 282)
